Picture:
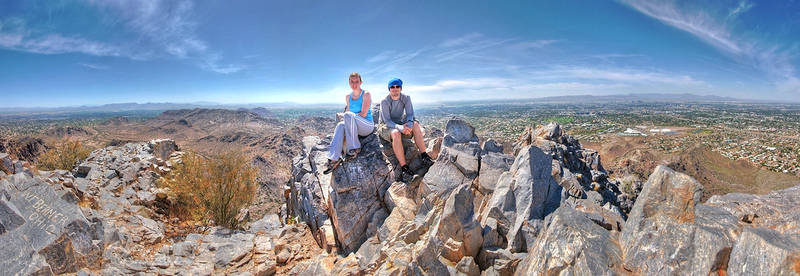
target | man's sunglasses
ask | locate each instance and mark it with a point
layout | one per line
(395, 86)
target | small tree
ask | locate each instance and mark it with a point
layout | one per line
(216, 187)
(64, 155)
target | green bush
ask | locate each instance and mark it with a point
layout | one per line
(64, 155)
(213, 188)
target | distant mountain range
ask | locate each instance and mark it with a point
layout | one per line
(577, 99)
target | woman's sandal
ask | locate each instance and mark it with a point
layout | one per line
(332, 165)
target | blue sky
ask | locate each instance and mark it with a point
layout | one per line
(75, 52)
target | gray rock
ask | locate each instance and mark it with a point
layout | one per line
(231, 250)
(762, 251)
(109, 174)
(43, 232)
(357, 189)
(440, 179)
(309, 193)
(573, 245)
(774, 210)
(493, 164)
(6, 164)
(467, 266)
(163, 148)
(667, 234)
(523, 195)
(267, 224)
(184, 248)
(460, 131)
(458, 226)
(490, 145)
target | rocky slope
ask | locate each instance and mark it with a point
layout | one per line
(107, 217)
(550, 209)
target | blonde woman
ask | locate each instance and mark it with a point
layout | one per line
(357, 122)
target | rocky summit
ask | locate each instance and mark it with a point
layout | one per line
(550, 208)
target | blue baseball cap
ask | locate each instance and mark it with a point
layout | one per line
(395, 81)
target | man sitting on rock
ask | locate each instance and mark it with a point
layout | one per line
(397, 123)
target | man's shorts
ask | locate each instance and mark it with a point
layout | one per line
(385, 133)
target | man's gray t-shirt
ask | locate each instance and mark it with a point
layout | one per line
(396, 113)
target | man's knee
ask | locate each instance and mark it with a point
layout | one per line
(395, 134)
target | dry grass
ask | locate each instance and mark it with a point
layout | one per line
(213, 188)
(64, 155)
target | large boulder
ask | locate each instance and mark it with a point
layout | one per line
(163, 148)
(43, 231)
(357, 189)
(762, 251)
(573, 245)
(522, 198)
(776, 210)
(310, 188)
(458, 161)
(667, 232)
(346, 204)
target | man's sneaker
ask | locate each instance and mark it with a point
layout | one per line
(426, 160)
(404, 175)
(332, 165)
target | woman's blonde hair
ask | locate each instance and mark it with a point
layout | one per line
(354, 74)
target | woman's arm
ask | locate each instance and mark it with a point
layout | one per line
(347, 103)
(367, 100)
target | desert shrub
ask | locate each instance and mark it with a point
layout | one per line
(213, 188)
(64, 155)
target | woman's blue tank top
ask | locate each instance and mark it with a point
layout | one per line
(355, 106)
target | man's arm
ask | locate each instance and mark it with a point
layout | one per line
(385, 116)
(409, 113)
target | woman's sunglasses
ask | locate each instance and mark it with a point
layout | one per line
(395, 86)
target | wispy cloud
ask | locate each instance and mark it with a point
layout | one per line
(390, 62)
(743, 6)
(631, 76)
(466, 45)
(459, 41)
(496, 88)
(696, 22)
(536, 44)
(381, 56)
(164, 29)
(171, 26)
(95, 66)
(772, 59)
(14, 35)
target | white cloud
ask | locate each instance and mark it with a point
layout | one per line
(535, 44)
(381, 56)
(15, 36)
(95, 66)
(620, 75)
(459, 41)
(468, 47)
(168, 26)
(743, 7)
(770, 59)
(390, 63)
(696, 22)
(501, 88)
